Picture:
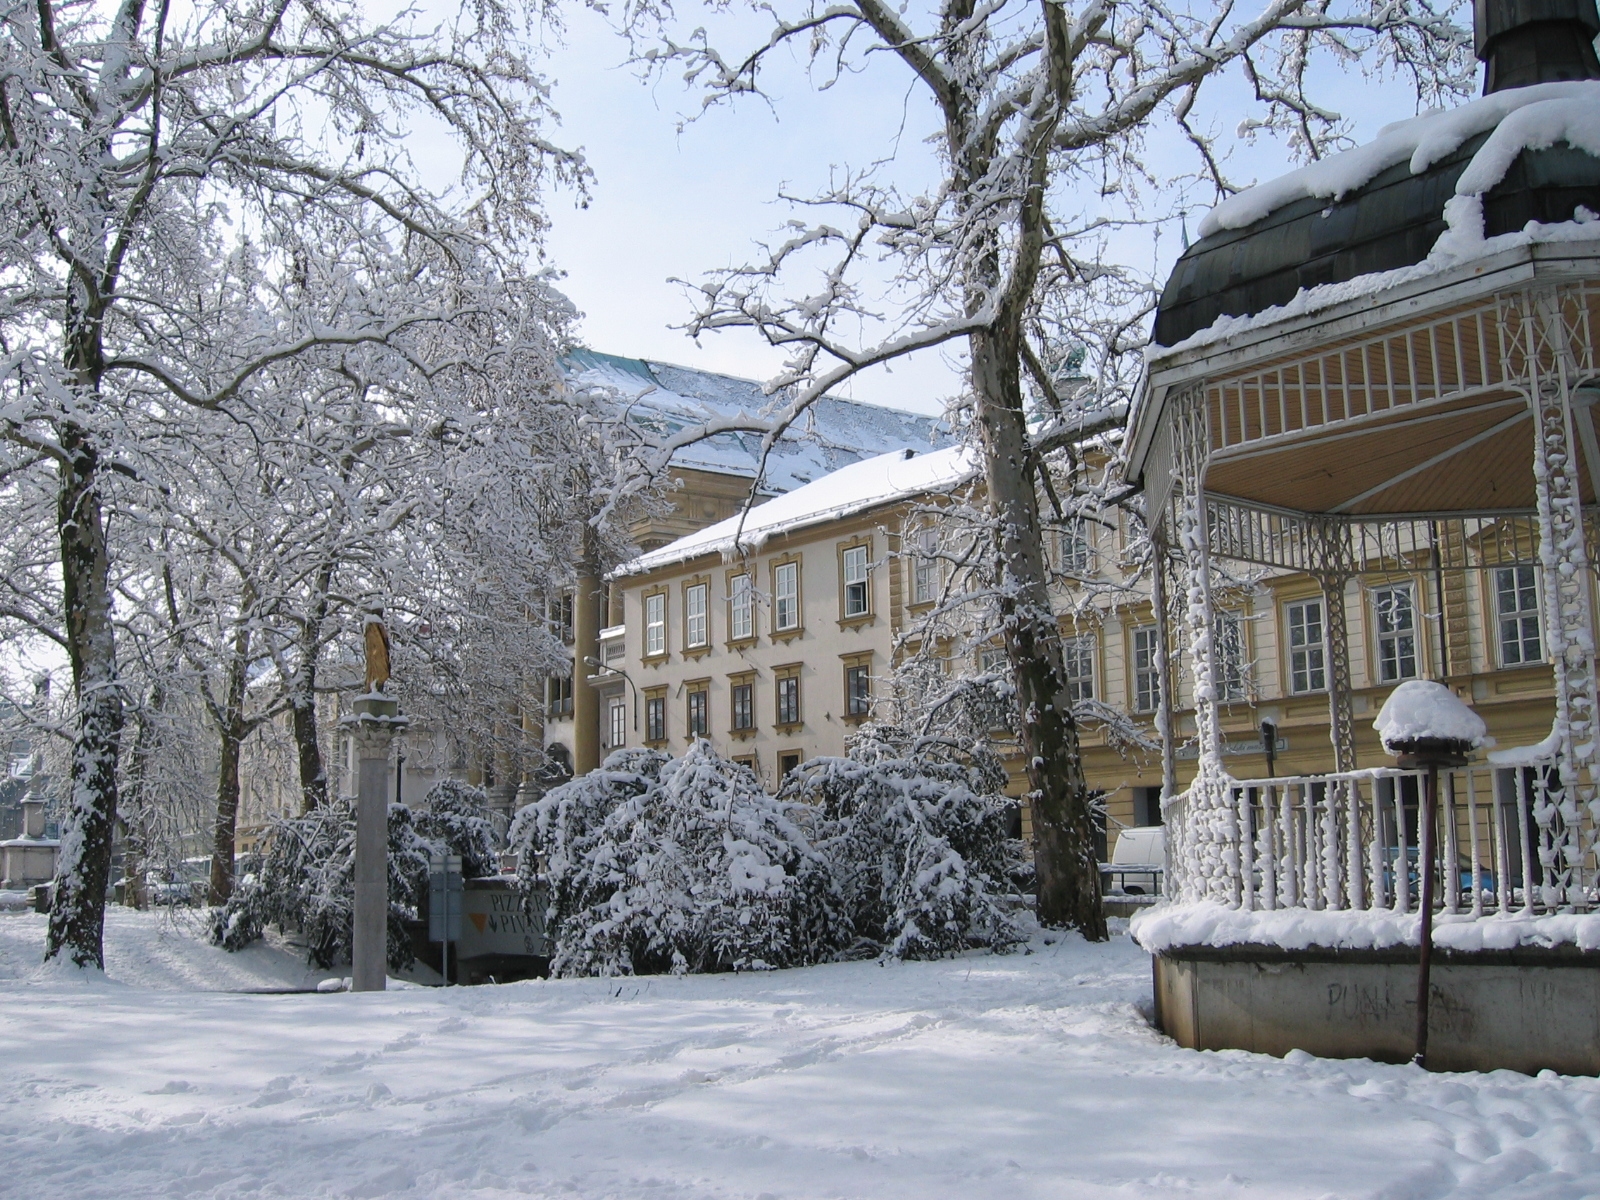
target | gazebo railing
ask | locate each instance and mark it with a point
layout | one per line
(1507, 839)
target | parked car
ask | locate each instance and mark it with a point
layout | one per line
(1138, 862)
(185, 884)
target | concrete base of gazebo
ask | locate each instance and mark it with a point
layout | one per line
(1527, 1009)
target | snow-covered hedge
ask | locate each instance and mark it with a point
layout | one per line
(305, 880)
(455, 820)
(654, 864)
(916, 846)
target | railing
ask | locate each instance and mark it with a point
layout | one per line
(1507, 838)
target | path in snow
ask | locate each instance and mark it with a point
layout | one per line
(1021, 1076)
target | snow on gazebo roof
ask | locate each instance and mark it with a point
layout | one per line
(835, 432)
(857, 488)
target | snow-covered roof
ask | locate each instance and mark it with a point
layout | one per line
(667, 398)
(853, 489)
(1545, 113)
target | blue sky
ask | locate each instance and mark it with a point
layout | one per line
(671, 204)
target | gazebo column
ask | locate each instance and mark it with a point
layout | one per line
(1564, 572)
(1210, 833)
(1333, 571)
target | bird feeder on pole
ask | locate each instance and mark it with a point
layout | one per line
(1426, 727)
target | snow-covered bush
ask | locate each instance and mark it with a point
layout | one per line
(456, 821)
(305, 880)
(686, 865)
(916, 843)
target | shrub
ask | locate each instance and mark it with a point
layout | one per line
(686, 865)
(305, 879)
(455, 820)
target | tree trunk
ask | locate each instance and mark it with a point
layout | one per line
(233, 728)
(303, 700)
(1068, 875)
(77, 914)
(136, 802)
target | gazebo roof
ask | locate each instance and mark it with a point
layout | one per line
(1525, 152)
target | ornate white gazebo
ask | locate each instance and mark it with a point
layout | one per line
(1357, 376)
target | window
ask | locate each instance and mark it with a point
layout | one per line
(741, 624)
(1517, 606)
(925, 571)
(1078, 656)
(617, 722)
(788, 761)
(788, 689)
(695, 633)
(1396, 624)
(558, 690)
(857, 690)
(992, 660)
(1146, 679)
(1073, 552)
(655, 624)
(856, 596)
(699, 711)
(786, 596)
(1227, 648)
(743, 699)
(655, 717)
(1308, 668)
(561, 619)
(748, 762)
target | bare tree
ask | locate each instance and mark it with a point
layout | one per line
(1031, 105)
(168, 175)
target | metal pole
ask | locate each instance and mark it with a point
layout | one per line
(1425, 948)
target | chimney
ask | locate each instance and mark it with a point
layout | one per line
(1535, 41)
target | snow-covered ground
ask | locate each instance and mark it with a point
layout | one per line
(1029, 1075)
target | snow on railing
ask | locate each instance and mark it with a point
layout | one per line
(1337, 841)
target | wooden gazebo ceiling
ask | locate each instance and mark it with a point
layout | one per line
(1469, 455)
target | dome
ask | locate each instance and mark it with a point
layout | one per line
(1517, 152)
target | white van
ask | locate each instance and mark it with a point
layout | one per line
(1138, 861)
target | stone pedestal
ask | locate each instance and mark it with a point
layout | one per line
(373, 724)
(31, 858)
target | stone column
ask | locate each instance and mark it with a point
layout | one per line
(373, 725)
(586, 602)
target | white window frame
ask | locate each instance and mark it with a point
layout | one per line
(857, 591)
(1307, 639)
(741, 611)
(1228, 656)
(1146, 677)
(1077, 657)
(655, 624)
(1074, 551)
(696, 626)
(925, 570)
(1391, 645)
(617, 719)
(1522, 649)
(786, 597)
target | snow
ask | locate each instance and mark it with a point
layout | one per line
(1207, 923)
(1527, 756)
(1015, 1076)
(1424, 140)
(667, 399)
(1420, 708)
(852, 489)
